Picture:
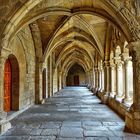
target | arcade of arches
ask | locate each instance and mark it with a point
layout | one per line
(46, 45)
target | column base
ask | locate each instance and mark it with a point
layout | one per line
(88, 86)
(132, 122)
(42, 101)
(4, 124)
(3, 115)
(105, 98)
(94, 90)
(112, 94)
(118, 98)
(128, 102)
(101, 91)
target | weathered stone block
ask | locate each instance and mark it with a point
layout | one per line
(4, 126)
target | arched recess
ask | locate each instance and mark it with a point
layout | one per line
(11, 84)
(76, 76)
(71, 62)
(44, 84)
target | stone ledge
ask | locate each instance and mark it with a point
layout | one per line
(4, 126)
(117, 106)
(132, 122)
(5, 123)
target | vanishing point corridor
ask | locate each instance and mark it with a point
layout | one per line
(74, 113)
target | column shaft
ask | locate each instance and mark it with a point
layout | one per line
(119, 90)
(128, 81)
(113, 81)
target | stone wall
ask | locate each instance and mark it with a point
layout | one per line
(22, 48)
(29, 89)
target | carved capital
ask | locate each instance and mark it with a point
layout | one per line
(106, 63)
(112, 64)
(126, 57)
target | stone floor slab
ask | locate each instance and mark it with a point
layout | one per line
(50, 132)
(71, 132)
(43, 138)
(96, 138)
(74, 113)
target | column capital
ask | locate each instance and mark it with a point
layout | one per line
(106, 63)
(96, 68)
(90, 70)
(112, 64)
(118, 60)
(127, 58)
(60, 72)
(125, 55)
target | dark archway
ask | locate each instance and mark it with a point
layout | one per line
(11, 84)
(76, 76)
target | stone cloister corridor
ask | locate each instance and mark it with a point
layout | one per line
(48, 47)
(72, 114)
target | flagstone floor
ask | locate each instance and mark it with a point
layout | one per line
(72, 114)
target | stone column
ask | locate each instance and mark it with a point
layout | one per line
(96, 79)
(112, 75)
(133, 116)
(128, 80)
(119, 89)
(102, 79)
(57, 78)
(46, 66)
(107, 77)
(64, 80)
(113, 80)
(51, 75)
(106, 82)
(99, 79)
(48, 77)
(87, 78)
(60, 80)
(91, 78)
(38, 82)
(119, 73)
(88, 75)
